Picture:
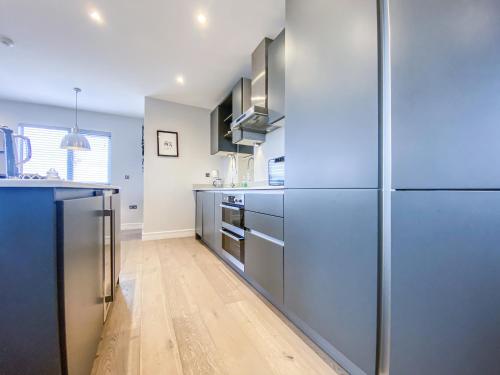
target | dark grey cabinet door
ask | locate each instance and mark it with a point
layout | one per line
(330, 266)
(445, 283)
(80, 263)
(445, 85)
(218, 223)
(208, 215)
(276, 78)
(199, 214)
(331, 94)
(241, 97)
(264, 265)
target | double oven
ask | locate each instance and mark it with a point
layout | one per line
(233, 228)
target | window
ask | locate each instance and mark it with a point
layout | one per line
(80, 166)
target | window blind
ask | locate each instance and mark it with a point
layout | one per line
(80, 166)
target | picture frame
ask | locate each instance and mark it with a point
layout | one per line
(167, 143)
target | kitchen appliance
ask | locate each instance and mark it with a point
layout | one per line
(9, 152)
(250, 127)
(216, 180)
(276, 171)
(233, 228)
(256, 117)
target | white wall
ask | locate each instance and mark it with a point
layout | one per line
(273, 147)
(169, 204)
(126, 154)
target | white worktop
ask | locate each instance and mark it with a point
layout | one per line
(16, 183)
(203, 187)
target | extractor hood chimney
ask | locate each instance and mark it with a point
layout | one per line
(255, 119)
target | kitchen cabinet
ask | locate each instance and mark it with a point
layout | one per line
(53, 292)
(219, 126)
(208, 215)
(218, 223)
(264, 264)
(445, 276)
(80, 253)
(276, 78)
(221, 118)
(241, 97)
(331, 271)
(332, 94)
(199, 214)
(269, 203)
(444, 57)
(264, 243)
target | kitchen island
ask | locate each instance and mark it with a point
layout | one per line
(59, 265)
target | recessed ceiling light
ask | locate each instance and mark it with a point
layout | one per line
(7, 42)
(202, 19)
(96, 16)
(180, 79)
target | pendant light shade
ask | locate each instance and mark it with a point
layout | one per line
(74, 140)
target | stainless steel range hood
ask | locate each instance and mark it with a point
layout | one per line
(255, 119)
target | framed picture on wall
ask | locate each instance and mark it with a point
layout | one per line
(168, 143)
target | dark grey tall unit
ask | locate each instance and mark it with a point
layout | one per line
(445, 281)
(331, 94)
(445, 244)
(331, 254)
(332, 177)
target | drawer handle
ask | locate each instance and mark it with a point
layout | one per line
(267, 238)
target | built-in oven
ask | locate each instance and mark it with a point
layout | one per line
(233, 228)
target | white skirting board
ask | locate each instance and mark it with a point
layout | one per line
(131, 226)
(148, 236)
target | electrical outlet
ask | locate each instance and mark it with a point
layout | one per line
(132, 207)
(207, 174)
(127, 177)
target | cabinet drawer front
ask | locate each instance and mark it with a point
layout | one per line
(264, 265)
(265, 203)
(266, 224)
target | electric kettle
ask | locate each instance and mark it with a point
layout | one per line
(9, 152)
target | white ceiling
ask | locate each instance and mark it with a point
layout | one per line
(138, 51)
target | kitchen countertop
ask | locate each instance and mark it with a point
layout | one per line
(203, 187)
(16, 183)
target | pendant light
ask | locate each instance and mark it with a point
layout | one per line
(74, 140)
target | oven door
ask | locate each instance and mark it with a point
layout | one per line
(234, 248)
(233, 219)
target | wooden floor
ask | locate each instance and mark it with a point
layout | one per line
(180, 310)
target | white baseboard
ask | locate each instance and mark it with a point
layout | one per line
(131, 226)
(149, 236)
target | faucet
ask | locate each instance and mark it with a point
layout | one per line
(250, 160)
(232, 160)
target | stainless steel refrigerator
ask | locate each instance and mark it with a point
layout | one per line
(445, 290)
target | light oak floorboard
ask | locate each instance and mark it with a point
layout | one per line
(180, 310)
